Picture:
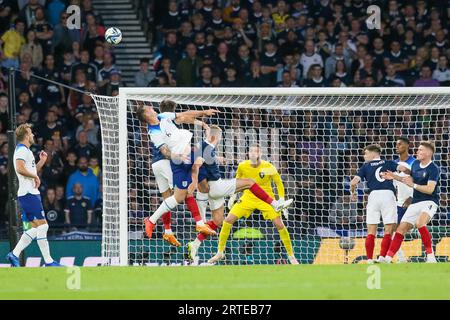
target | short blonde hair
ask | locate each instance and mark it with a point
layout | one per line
(429, 145)
(21, 131)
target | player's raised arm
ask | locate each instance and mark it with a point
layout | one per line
(42, 159)
(187, 116)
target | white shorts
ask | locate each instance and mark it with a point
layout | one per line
(163, 175)
(220, 189)
(381, 203)
(416, 209)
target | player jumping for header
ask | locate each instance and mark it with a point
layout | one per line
(424, 179)
(164, 131)
(30, 198)
(220, 188)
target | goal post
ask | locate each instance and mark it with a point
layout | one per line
(314, 136)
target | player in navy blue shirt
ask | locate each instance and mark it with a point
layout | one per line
(218, 188)
(424, 179)
(381, 201)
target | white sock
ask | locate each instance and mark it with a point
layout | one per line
(202, 202)
(274, 203)
(196, 243)
(25, 240)
(168, 231)
(43, 243)
(200, 223)
(400, 254)
(167, 205)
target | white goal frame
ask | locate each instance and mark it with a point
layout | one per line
(183, 93)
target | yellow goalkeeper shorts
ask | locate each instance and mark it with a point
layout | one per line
(244, 208)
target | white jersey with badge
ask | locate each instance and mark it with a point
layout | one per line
(26, 185)
(178, 140)
(403, 191)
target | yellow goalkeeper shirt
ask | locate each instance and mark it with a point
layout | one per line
(263, 174)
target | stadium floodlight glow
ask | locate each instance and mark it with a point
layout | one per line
(314, 136)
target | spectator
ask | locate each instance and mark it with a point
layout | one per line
(230, 79)
(53, 94)
(53, 209)
(397, 57)
(270, 63)
(78, 210)
(86, 66)
(70, 165)
(114, 83)
(254, 79)
(33, 48)
(44, 31)
(94, 165)
(98, 210)
(86, 108)
(99, 53)
(12, 40)
(92, 34)
(309, 58)
(54, 10)
(425, 78)
(337, 55)
(83, 148)
(28, 12)
(442, 72)
(170, 50)
(188, 68)
(52, 129)
(168, 72)
(205, 77)
(340, 73)
(315, 79)
(85, 177)
(144, 76)
(223, 59)
(3, 112)
(391, 79)
(103, 76)
(63, 37)
(171, 21)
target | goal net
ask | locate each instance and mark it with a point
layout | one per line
(314, 137)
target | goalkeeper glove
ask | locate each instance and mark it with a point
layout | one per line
(231, 201)
(285, 211)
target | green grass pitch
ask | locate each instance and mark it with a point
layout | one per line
(397, 281)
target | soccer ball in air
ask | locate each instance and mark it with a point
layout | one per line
(113, 35)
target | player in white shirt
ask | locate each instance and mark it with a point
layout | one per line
(29, 197)
(404, 192)
(178, 142)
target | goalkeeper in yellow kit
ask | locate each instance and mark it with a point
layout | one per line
(263, 172)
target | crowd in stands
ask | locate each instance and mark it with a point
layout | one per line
(35, 38)
(290, 43)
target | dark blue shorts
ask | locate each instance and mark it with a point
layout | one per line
(182, 176)
(32, 209)
(400, 213)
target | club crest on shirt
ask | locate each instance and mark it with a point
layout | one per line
(83, 204)
(424, 174)
(184, 183)
(262, 175)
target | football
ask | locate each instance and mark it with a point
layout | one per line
(113, 35)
